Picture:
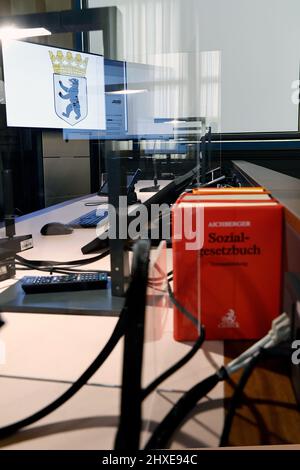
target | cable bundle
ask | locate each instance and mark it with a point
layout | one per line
(280, 332)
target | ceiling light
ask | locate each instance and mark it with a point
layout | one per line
(169, 120)
(125, 92)
(176, 121)
(12, 32)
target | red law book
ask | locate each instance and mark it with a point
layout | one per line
(231, 280)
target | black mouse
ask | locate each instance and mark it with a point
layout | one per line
(56, 228)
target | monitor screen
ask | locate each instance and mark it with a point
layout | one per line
(130, 113)
(49, 87)
(115, 105)
(131, 180)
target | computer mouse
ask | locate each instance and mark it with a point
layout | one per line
(56, 228)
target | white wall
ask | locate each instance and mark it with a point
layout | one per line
(259, 42)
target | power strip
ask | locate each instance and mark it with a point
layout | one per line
(8, 248)
(7, 268)
(17, 243)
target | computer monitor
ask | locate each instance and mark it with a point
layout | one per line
(49, 87)
(115, 105)
(130, 91)
(131, 180)
(167, 195)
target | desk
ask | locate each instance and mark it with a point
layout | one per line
(44, 353)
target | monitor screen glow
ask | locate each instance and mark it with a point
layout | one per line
(48, 87)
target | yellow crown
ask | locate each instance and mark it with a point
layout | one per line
(68, 64)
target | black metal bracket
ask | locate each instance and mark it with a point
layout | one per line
(119, 257)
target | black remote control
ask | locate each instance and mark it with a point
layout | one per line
(70, 282)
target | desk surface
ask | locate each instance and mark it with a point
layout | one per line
(44, 353)
(91, 302)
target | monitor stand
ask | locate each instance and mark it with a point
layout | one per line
(151, 189)
(155, 188)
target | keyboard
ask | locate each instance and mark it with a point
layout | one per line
(90, 220)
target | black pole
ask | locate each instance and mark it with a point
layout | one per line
(119, 258)
(8, 195)
(209, 164)
(204, 159)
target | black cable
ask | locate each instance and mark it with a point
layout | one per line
(118, 332)
(43, 263)
(178, 413)
(45, 270)
(48, 270)
(181, 307)
(62, 267)
(188, 401)
(239, 390)
(75, 270)
(153, 385)
(116, 335)
(60, 270)
(236, 398)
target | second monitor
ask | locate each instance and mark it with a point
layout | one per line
(94, 217)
